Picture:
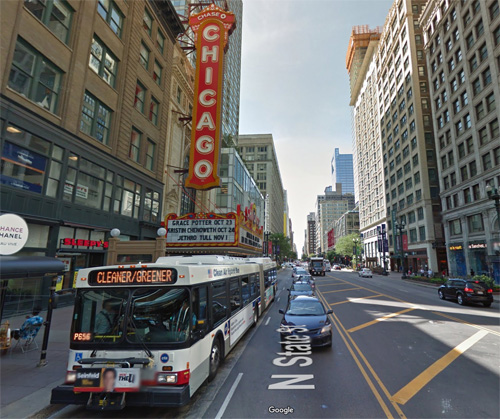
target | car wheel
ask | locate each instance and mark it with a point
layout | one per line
(441, 295)
(460, 299)
(487, 304)
(215, 359)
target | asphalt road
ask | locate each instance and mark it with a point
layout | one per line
(398, 351)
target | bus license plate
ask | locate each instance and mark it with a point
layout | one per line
(107, 380)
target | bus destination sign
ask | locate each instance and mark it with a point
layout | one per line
(132, 276)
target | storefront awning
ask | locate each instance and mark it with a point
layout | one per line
(13, 267)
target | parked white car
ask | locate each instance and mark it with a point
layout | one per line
(365, 273)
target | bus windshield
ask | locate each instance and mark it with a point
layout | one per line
(146, 315)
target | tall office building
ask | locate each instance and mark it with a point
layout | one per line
(342, 171)
(259, 155)
(310, 235)
(367, 145)
(329, 208)
(409, 154)
(232, 63)
(286, 218)
(462, 45)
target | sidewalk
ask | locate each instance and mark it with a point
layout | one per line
(25, 388)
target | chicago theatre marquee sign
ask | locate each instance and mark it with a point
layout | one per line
(238, 232)
(211, 27)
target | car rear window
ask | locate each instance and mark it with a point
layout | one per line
(301, 287)
(477, 284)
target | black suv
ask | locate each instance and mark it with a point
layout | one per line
(466, 291)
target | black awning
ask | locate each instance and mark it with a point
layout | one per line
(13, 267)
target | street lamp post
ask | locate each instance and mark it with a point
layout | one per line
(401, 226)
(494, 194)
(356, 241)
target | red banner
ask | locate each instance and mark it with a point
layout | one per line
(405, 242)
(331, 239)
(211, 27)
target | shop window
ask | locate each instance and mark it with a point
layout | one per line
(102, 61)
(96, 118)
(35, 77)
(151, 206)
(112, 15)
(55, 14)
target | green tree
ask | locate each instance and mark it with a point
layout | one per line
(283, 242)
(293, 255)
(331, 255)
(344, 245)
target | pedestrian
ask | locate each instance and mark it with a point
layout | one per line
(472, 273)
(429, 273)
(33, 320)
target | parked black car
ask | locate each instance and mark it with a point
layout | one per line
(308, 313)
(466, 291)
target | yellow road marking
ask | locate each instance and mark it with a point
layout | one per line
(380, 319)
(329, 285)
(414, 386)
(353, 300)
(368, 380)
(348, 289)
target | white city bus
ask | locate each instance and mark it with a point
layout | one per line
(151, 334)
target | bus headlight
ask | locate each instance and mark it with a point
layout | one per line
(166, 378)
(326, 328)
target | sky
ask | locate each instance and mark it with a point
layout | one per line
(294, 85)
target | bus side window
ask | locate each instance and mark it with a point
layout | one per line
(200, 302)
(255, 285)
(219, 302)
(235, 294)
(245, 290)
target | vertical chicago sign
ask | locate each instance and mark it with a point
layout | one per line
(212, 27)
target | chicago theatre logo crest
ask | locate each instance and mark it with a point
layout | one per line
(211, 27)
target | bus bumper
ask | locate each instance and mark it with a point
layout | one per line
(150, 396)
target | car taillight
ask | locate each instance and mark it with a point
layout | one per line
(490, 290)
(467, 289)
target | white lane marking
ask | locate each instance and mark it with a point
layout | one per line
(229, 396)
(278, 299)
(267, 321)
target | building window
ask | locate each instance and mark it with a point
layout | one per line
(463, 173)
(461, 150)
(483, 53)
(135, 146)
(153, 111)
(487, 162)
(465, 99)
(35, 77)
(490, 102)
(468, 123)
(475, 192)
(418, 195)
(157, 73)
(496, 35)
(102, 61)
(421, 233)
(140, 94)
(179, 95)
(147, 22)
(151, 206)
(494, 129)
(144, 56)
(160, 41)
(475, 223)
(470, 41)
(417, 178)
(150, 155)
(483, 136)
(96, 118)
(55, 14)
(472, 168)
(494, 10)
(455, 227)
(111, 14)
(413, 235)
(467, 196)
(486, 77)
(480, 112)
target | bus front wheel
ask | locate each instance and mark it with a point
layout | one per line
(215, 359)
(255, 315)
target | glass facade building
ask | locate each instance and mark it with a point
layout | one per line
(342, 171)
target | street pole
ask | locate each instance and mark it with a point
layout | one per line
(401, 227)
(46, 332)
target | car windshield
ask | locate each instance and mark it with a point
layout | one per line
(159, 315)
(301, 287)
(305, 308)
(317, 264)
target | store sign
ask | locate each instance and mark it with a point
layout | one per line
(211, 28)
(201, 229)
(81, 190)
(405, 242)
(13, 234)
(251, 233)
(16, 159)
(458, 247)
(85, 243)
(477, 246)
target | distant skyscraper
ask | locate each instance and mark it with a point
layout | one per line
(232, 64)
(342, 171)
